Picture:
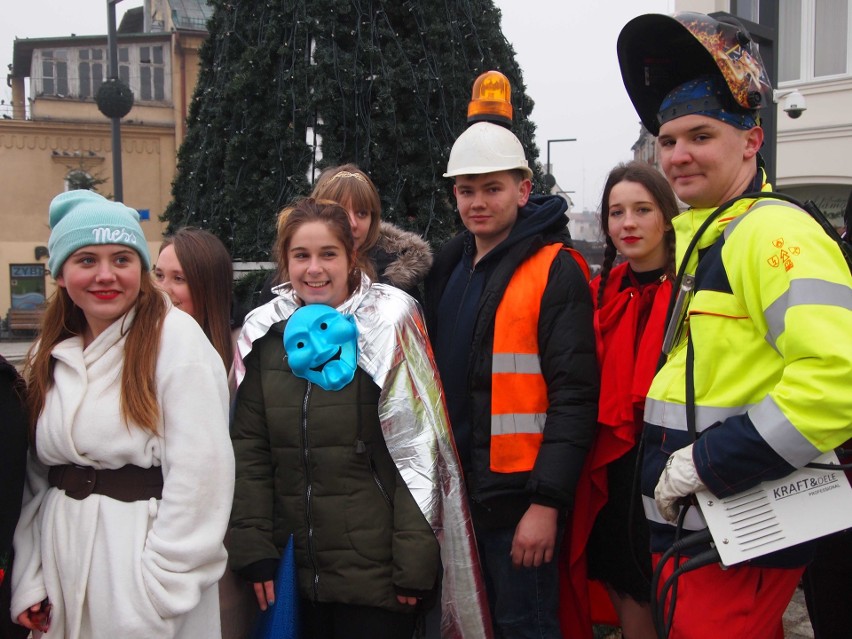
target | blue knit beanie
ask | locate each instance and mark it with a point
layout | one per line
(82, 218)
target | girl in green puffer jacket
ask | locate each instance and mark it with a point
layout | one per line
(360, 469)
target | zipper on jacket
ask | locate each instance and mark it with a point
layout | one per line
(306, 454)
(379, 483)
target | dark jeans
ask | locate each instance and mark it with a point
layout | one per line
(524, 602)
(343, 621)
(828, 587)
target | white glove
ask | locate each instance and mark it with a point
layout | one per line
(678, 480)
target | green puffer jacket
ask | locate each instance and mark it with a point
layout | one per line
(314, 463)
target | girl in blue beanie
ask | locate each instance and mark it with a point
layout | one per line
(130, 480)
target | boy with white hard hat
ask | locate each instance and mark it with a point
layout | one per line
(510, 318)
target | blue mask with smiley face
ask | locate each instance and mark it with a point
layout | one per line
(322, 346)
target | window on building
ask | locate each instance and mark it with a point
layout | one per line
(27, 284)
(91, 71)
(124, 65)
(78, 179)
(152, 75)
(746, 9)
(79, 72)
(814, 39)
(54, 72)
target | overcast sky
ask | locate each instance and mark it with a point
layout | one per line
(566, 49)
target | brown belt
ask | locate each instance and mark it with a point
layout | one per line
(128, 483)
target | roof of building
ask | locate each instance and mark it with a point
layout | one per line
(22, 49)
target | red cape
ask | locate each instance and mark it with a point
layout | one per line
(626, 374)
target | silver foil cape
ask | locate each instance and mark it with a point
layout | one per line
(395, 352)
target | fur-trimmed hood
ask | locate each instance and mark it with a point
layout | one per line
(402, 259)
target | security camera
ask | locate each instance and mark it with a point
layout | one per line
(794, 104)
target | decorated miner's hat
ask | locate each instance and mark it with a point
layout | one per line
(658, 53)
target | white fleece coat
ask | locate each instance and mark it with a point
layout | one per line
(132, 570)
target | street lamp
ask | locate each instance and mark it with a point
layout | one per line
(549, 180)
(114, 99)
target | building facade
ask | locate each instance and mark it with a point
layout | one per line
(57, 138)
(815, 58)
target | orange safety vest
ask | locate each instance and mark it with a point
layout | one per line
(518, 391)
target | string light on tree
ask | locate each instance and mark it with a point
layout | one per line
(385, 85)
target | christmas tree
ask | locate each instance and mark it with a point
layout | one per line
(288, 87)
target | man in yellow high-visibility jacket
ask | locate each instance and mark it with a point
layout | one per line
(769, 319)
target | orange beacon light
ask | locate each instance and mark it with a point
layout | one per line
(491, 99)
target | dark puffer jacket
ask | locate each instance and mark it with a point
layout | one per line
(462, 333)
(13, 465)
(314, 463)
(13, 454)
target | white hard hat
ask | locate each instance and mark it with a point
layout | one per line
(486, 148)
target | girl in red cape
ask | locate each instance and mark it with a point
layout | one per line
(608, 541)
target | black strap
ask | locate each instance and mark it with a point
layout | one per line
(690, 388)
(681, 271)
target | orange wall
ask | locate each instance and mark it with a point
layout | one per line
(37, 154)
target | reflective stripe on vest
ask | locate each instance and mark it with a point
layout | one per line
(518, 391)
(672, 415)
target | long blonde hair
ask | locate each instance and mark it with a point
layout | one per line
(63, 319)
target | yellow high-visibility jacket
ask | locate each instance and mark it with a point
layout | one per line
(771, 326)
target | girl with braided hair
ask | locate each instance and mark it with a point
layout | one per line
(631, 297)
